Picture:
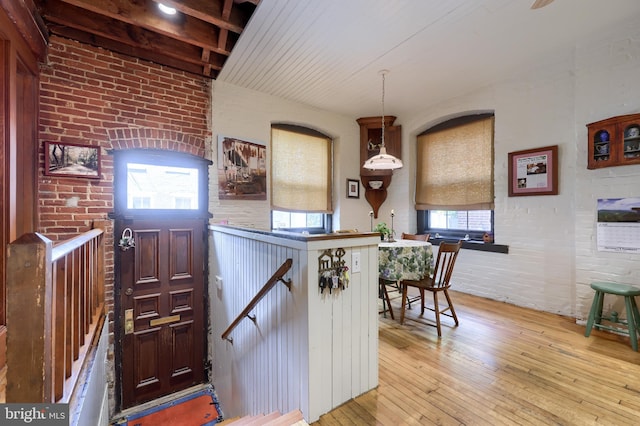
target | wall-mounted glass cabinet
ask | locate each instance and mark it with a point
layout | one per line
(614, 141)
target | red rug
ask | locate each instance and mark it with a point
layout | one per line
(198, 409)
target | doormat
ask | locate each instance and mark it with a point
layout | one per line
(198, 409)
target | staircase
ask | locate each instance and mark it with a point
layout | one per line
(292, 418)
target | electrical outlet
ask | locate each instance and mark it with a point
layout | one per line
(355, 262)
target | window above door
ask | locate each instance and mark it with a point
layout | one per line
(155, 187)
(160, 182)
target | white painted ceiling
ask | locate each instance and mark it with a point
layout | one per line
(329, 53)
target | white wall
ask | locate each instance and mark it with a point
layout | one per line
(248, 115)
(533, 110)
(552, 249)
(607, 84)
(90, 400)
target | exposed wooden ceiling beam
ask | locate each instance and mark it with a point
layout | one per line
(108, 44)
(212, 11)
(121, 32)
(183, 56)
(226, 12)
(205, 55)
(181, 27)
(29, 25)
(198, 40)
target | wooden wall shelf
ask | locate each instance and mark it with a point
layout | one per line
(370, 140)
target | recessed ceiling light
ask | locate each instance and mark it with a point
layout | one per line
(166, 9)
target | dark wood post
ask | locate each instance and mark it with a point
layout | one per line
(29, 320)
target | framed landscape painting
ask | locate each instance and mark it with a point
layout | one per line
(71, 160)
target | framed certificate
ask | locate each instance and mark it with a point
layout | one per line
(533, 172)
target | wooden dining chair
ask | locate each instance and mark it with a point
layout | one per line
(439, 282)
(419, 237)
(383, 294)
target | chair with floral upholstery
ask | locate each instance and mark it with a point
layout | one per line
(416, 237)
(395, 285)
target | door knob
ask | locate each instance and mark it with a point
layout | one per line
(128, 291)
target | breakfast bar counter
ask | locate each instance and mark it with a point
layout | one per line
(311, 347)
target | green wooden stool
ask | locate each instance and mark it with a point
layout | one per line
(631, 324)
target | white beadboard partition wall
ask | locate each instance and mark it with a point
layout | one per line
(306, 350)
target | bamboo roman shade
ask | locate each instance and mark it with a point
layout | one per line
(455, 167)
(300, 171)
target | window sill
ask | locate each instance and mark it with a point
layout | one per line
(474, 245)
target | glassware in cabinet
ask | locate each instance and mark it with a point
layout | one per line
(614, 141)
(632, 141)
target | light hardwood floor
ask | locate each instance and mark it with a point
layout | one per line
(503, 365)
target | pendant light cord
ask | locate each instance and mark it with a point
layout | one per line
(383, 74)
(383, 160)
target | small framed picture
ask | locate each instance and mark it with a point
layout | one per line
(71, 160)
(353, 188)
(534, 172)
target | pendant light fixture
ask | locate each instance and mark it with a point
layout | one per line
(383, 161)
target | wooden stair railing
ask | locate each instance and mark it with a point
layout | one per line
(55, 310)
(277, 276)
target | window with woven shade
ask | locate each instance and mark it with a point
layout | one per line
(301, 179)
(454, 178)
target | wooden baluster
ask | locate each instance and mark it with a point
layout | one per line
(77, 301)
(68, 274)
(59, 316)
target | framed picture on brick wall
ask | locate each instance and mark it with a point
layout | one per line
(71, 160)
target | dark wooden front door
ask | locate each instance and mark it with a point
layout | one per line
(161, 277)
(161, 298)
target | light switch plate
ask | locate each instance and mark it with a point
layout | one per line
(355, 262)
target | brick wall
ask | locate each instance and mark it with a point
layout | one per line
(94, 97)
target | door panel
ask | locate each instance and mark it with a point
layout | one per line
(180, 247)
(182, 349)
(147, 264)
(162, 281)
(146, 351)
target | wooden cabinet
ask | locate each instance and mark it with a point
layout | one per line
(614, 141)
(376, 182)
